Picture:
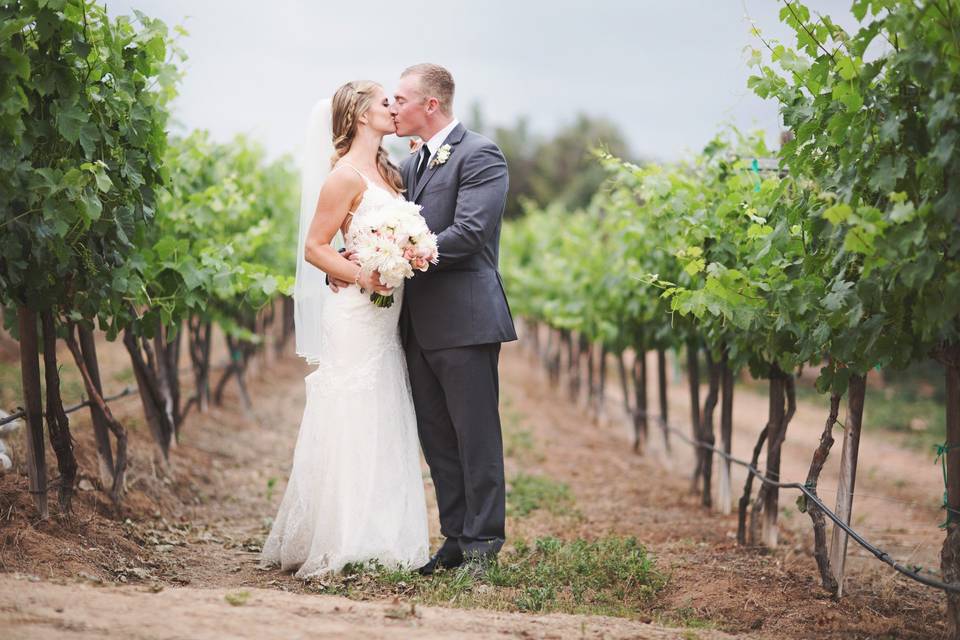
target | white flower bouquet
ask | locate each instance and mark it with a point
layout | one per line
(395, 241)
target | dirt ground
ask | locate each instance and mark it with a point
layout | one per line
(52, 611)
(777, 592)
(188, 534)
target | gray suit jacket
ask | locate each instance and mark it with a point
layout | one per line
(460, 301)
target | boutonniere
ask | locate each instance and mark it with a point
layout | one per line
(443, 154)
(415, 145)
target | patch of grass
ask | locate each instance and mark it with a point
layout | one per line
(271, 486)
(11, 387)
(124, 376)
(685, 617)
(71, 387)
(535, 598)
(527, 493)
(921, 420)
(579, 576)
(518, 443)
(610, 576)
(11, 390)
(134, 423)
(506, 408)
(237, 598)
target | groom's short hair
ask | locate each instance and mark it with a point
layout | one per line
(435, 82)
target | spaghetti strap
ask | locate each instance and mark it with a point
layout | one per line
(359, 173)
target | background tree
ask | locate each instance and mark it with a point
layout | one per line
(555, 169)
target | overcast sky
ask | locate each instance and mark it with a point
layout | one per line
(670, 73)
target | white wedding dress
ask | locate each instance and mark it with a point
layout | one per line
(355, 492)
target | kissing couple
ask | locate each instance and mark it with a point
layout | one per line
(424, 369)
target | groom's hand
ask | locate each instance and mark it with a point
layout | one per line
(336, 285)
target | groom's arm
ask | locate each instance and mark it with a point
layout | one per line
(480, 200)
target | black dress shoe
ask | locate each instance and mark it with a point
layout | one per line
(440, 561)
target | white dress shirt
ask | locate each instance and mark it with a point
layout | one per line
(436, 141)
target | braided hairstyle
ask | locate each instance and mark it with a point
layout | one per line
(350, 102)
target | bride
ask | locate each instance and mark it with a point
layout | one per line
(355, 492)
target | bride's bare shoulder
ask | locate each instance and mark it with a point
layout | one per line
(342, 182)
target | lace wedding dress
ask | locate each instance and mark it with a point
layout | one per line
(355, 491)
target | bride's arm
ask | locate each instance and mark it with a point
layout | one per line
(340, 191)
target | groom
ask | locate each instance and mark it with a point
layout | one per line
(455, 315)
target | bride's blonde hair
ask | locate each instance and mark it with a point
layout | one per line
(351, 101)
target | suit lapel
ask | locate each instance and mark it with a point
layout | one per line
(410, 176)
(456, 135)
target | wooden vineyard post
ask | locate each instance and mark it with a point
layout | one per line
(30, 375)
(950, 553)
(662, 393)
(629, 411)
(535, 349)
(848, 475)
(640, 421)
(725, 493)
(551, 358)
(289, 322)
(589, 381)
(584, 355)
(600, 398)
(198, 346)
(693, 378)
(573, 362)
(269, 334)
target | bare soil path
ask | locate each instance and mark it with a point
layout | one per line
(188, 537)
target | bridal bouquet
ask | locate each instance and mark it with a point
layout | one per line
(393, 240)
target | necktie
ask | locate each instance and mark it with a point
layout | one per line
(424, 159)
